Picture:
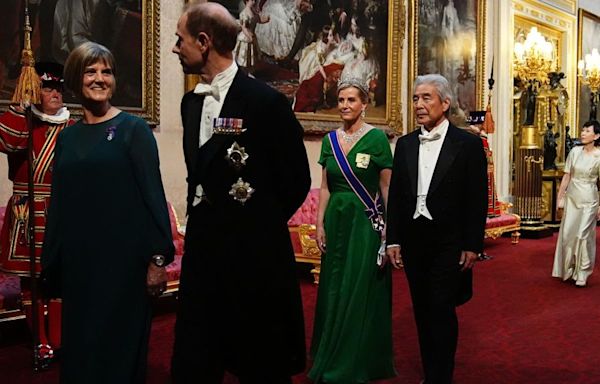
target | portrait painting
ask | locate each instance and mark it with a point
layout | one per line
(303, 47)
(448, 38)
(589, 30)
(127, 27)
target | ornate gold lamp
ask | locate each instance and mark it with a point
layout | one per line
(588, 71)
(533, 60)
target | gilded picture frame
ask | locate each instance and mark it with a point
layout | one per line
(448, 37)
(587, 39)
(130, 30)
(384, 111)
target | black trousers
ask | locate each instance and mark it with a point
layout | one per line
(206, 346)
(431, 257)
(211, 335)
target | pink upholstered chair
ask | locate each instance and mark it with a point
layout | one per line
(505, 223)
(10, 290)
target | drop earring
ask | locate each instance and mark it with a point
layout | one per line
(363, 114)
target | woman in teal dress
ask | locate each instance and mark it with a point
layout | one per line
(352, 336)
(108, 236)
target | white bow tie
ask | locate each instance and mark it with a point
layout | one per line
(207, 89)
(435, 136)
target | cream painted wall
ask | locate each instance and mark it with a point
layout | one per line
(313, 150)
(592, 6)
(170, 131)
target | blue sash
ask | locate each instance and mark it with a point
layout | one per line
(373, 207)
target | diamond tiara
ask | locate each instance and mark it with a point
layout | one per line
(356, 82)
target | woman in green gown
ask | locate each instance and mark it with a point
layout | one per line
(108, 236)
(352, 336)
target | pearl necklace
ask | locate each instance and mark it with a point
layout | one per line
(350, 138)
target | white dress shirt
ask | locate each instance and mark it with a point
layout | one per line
(429, 151)
(211, 108)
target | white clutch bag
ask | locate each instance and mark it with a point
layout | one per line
(381, 253)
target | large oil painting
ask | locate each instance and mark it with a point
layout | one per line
(129, 28)
(303, 47)
(448, 38)
(589, 30)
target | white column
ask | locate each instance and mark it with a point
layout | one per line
(500, 40)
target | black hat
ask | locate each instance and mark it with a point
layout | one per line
(476, 117)
(49, 72)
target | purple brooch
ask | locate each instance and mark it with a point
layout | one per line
(110, 132)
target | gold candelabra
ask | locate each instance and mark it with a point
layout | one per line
(533, 60)
(588, 70)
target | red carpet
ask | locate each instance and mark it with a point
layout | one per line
(522, 326)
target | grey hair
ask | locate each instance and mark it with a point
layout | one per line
(441, 85)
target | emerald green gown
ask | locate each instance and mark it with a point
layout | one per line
(107, 217)
(352, 335)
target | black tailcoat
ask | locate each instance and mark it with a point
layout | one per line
(457, 201)
(240, 303)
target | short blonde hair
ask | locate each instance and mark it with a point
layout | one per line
(83, 56)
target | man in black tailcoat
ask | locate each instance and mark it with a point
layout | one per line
(240, 305)
(435, 221)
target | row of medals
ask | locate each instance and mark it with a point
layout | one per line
(236, 156)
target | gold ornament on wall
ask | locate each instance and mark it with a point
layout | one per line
(533, 59)
(588, 72)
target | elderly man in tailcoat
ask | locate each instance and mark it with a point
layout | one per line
(436, 215)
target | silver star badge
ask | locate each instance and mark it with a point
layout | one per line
(241, 191)
(236, 155)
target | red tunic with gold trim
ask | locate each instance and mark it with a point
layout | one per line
(493, 203)
(14, 242)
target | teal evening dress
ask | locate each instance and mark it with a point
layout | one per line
(108, 216)
(352, 336)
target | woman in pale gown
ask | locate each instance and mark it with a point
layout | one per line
(276, 37)
(317, 55)
(351, 45)
(365, 67)
(246, 49)
(578, 194)
(450, 29)
(317, 71)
